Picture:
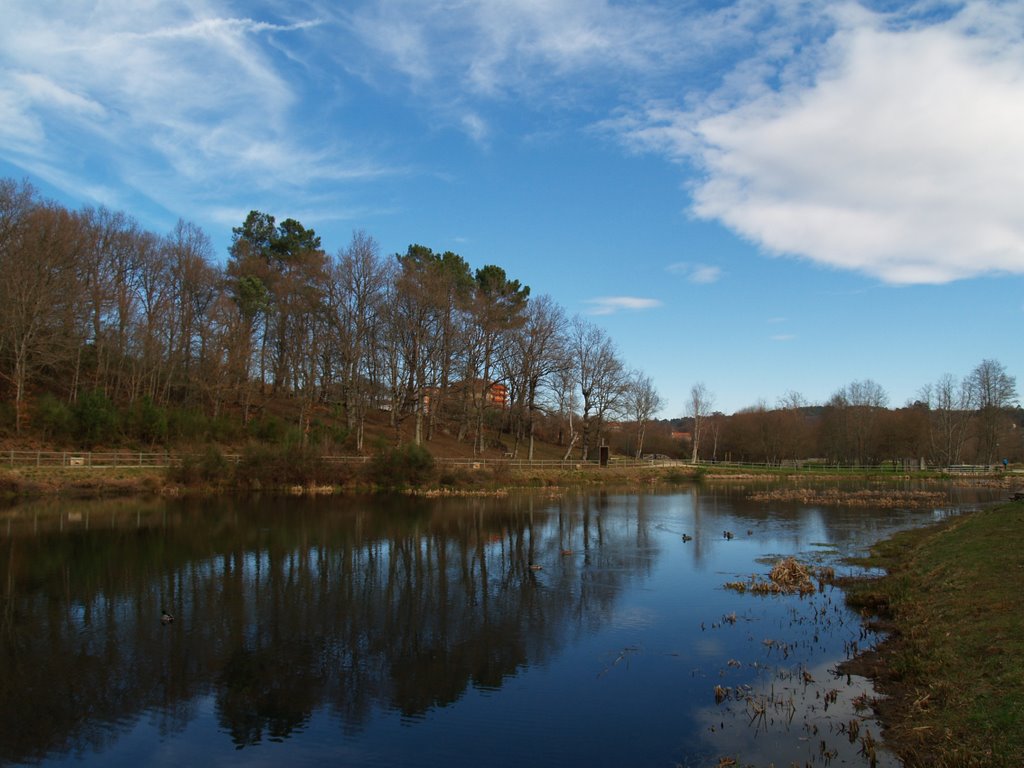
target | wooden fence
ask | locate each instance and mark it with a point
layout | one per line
(108, 459)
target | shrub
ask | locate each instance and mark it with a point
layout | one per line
(451, 479)
(501, 473)
(282, 465)
(225, 429)
(327, 436)
(457, 477)
(7, 417)
(406, 465)
(149, 421)
(54, 418)
(96, 419)
(188, 425)
(213, 464)
(267, 429)
(209, 467)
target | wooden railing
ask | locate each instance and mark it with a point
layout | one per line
(85, 459)
(107, 459)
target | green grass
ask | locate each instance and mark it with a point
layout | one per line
(955, 665)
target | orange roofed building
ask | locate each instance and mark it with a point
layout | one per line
(495, 394)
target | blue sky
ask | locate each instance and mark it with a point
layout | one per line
(764, 196)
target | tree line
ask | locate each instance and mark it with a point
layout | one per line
(107, 330)
(955, 420)
(110, 332)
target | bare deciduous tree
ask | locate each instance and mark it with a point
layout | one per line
(358, 281)
(537, 351)
(993, 391)
(949, 404)
(597, 372)
(37, 294)
(854, 414)
(701, 403)
(644, 402)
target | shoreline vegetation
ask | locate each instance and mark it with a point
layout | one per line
(949, 673)
(412, 469)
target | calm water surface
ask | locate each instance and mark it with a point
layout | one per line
(529, 630)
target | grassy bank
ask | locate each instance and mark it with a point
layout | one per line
(952, 670)
(287, 468)
(81, 481)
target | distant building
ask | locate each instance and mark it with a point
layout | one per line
(496, 393)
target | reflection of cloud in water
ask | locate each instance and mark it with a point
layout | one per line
(636, 617)
(709, 647)
(830, 716)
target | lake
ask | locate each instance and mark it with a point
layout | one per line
(536, 629)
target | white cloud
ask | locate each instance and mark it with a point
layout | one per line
(609, 305)
(704, 274)
(475, 127)
(900, 160)
(700, 274)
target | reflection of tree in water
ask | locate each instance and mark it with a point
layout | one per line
(258, 690)
(286, 607)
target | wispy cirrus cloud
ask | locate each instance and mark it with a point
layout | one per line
(173, 100)
(491, 48)
(560, 56)
(609, 305)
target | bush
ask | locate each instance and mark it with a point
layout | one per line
(406, 465)
(501, 473)
(149, 422)
(225, 429)
(54, 418)
(327, 436)
(209, 467)
(451, 478)
(7, 418)
(267, 429)
(188, 425)
(96, 419)
(278, 466)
